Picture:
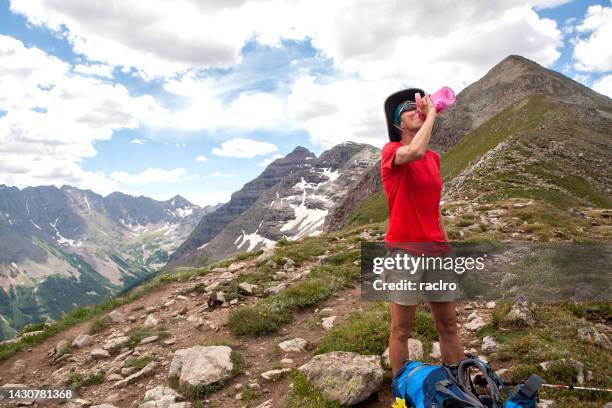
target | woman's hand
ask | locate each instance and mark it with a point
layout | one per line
(428, 107)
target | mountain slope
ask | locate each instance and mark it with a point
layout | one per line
(291, 198)
(298, 205)
(210, 225)
(67, 247)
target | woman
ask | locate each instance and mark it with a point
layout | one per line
(412, 183)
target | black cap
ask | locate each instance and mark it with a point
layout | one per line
(391, 104)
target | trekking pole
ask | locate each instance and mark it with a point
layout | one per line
(571, 387)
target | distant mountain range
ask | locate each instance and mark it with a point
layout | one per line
(66, 247)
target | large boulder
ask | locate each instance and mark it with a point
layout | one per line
(200, 365)
(345, 377)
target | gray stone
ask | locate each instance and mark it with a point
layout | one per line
(273, 375)
(146, 371)
(489, 345)
(247, 288)
(150, 321)
(201, 365)
(590, 334)
(116, 316)
(159, 392)
(415, 352)
(81, 341)
(345, 377)
(435, 350)
(296, 345)
(328, 322)
(547, 404)
(115, 343)
(272, 290)
(103, 406)
(475, 324)
(148, 340)
(521, 314)
(99, 353)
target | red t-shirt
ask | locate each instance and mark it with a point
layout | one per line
(413, 196)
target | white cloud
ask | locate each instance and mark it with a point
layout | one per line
(244, 148)
(137, 141)
(201, 158)
(604, 85)
(221, 174)
(153, 175)
(204, 197)
(54, 116)
(593, 53)
(269, 160)
(101, 70)
(376, 47)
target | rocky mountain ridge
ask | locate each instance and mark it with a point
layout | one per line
(290, 205)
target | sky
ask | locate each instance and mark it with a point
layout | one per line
(196, 97)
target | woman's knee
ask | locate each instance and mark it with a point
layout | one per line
(446, 326)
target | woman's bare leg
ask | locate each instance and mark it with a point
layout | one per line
(402, 319)
(445, 317)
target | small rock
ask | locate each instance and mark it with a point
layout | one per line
(435, 350)
(233, 301)
(99, 353)
(491, 305)
(247, 288)
(114, 377)
(159, 392)
(328, 322)
(521, 314)
(273, 375)
(287, 361)
(127, 371)
(146, 371)
(265, 404)
(591, 335)
(81, 341)
(115, 343)
(169, 342)
(148, 340)
(475, 324)
(116, 316)
(150, 321)
(275, 289)
(489, 345)
(546, 404)
(415, 349)
(296, 345)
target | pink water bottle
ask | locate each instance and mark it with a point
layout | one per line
(442, 99)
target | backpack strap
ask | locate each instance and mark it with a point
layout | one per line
(442, 387)
(493, 380)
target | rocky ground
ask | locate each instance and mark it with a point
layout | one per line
(177, 345)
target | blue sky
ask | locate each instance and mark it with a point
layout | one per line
(195, 98)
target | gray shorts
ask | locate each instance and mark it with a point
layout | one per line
(422, 284)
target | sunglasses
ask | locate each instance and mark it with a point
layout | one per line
(403, 107)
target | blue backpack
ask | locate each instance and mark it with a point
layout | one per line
(421, 385)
